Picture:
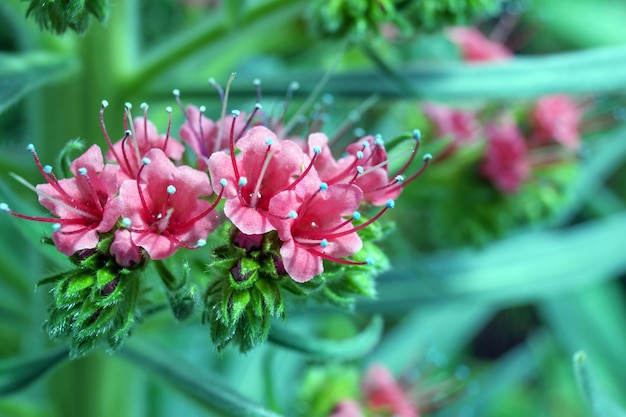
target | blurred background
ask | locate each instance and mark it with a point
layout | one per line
(495, 290)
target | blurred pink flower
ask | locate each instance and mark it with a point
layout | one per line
(461, 125)
(475, 47)
(382, 392)
(505, 162)
(556, 118)
(347, 408)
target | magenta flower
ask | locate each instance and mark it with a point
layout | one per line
(129, 151)
(317, 228)
(206, 136)
(82, 204)
(505, 163)
(162, 209)
(461, 125)
(556, 118)
(475, 47)
(382, 392)
(265, 167)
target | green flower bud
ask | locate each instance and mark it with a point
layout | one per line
(59, 15)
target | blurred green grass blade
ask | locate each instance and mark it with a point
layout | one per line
(597, 400)
(18, 373)
(592, 320)
(586, 71)
(321, 349)
(518, 269)
(208, 390)
(20, 73)
(420, 330)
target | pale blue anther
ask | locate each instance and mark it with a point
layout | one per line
(81, 171)
(200, 243)
(365, 144)
(223, 182)
(359, 155)
(126, 222)
(176, 92)
(48, 169)
(359, 169)
(369, 261)
(317, 150)
(292, 214)
(379, 141)
(243, 181)
(323, 186)
(356, 216)
(30, 148)
(146, 161)
(390, 204)
(427, 157)
(269, 141)
(324, 243)
(171, 189)
(56, 226)
(400, 178)
(202, 109)
(417, 134)
(4, 207)
(235, 113)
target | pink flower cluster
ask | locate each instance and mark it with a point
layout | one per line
(508, 160)
(152, 203)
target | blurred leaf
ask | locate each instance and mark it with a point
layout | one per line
(598, 401)
(208, 390)
(587, 71)
(20, 73)
(351, 348)
(522, 268)
(18, 373)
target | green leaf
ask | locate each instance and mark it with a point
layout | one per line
(20, 73)
(208, 390)
(16, 374)
(346, 349)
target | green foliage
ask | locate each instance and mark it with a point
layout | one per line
(60, 15)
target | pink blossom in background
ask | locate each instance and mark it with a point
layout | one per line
(128, 151)
(475, 47)
(505, 162)
(461, 125)
(382, 392)
(556, 118)
(347, 408)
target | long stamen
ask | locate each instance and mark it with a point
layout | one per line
(144, 107)
(257, 107)
(293, 86)
(146, 162)
(224, 106)
(231, 145)
(353, 117)
(323, 233)
(104, 105)
(47, 173)
(316, 151)
(168, 109)
(83, 172)
(417, 135)
(126, 161)
(337, 260)
(256, 194)
(130, 126)
(427, 158)
(194, 219)
(4, 207)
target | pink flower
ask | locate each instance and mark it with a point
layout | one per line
(364, 165)
(317, 228)
(475, 46)
(204, 135)
(82, 203)
(556, 117)
(347, 408)
(162, 209)
(505, 163)
(129, 151)
(382, 392)
(461, 125)
(265, 167)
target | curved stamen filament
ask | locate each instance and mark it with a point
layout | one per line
(126, 161)
(256, 194)
(293, 185)
(203, 214)
(92, 190)
(334, 259)
(257, 107)
(146, 209)
(414, 150)
(104, 130)
(231, 145)
(427, 158)
(168, 109)
(325, 235)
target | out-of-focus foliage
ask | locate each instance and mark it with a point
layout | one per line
(60, 15)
